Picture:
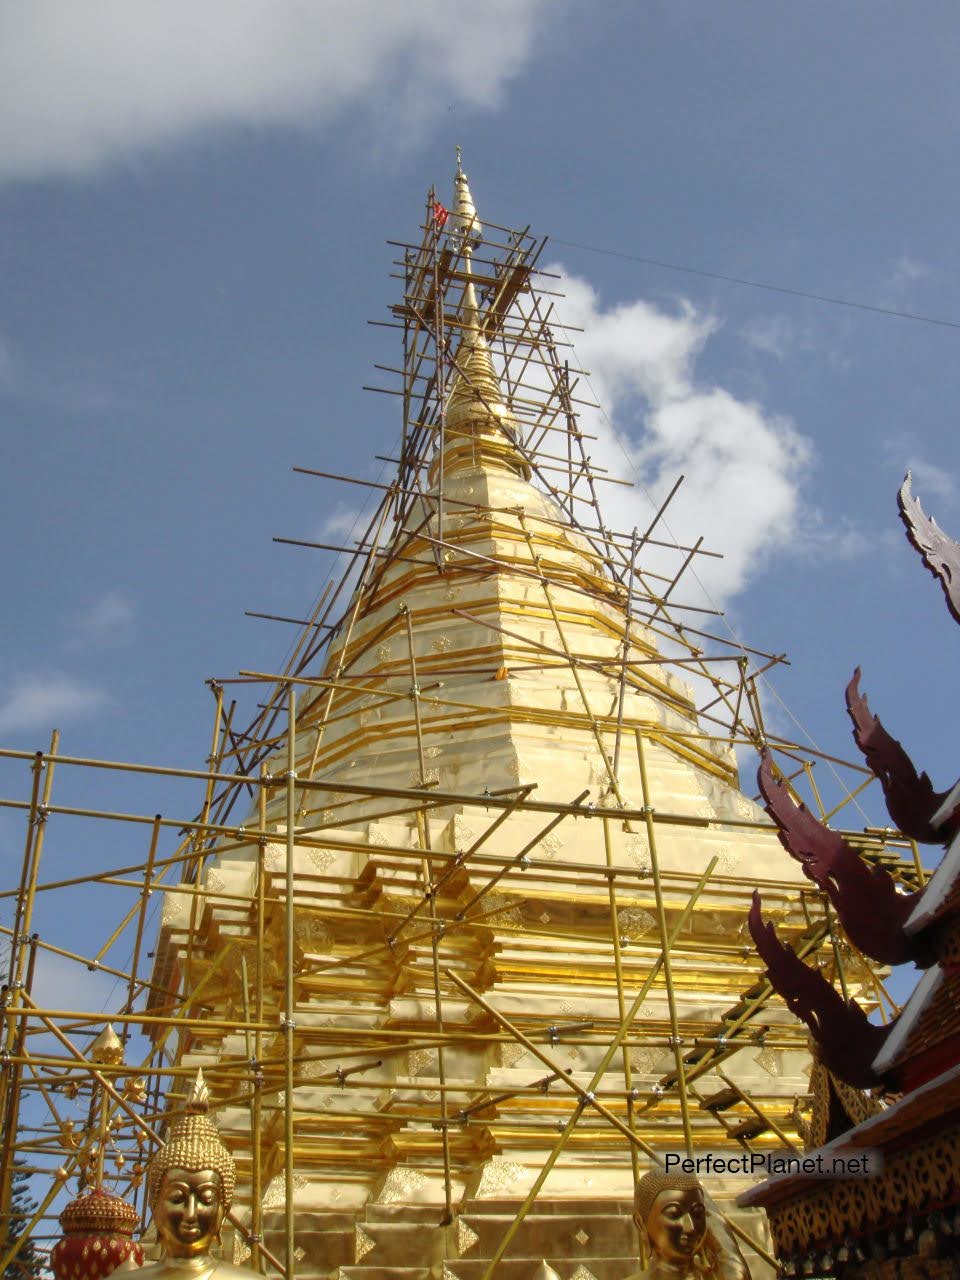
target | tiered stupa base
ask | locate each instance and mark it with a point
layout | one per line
(580, 1239)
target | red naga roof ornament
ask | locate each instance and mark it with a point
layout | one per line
(871, 909)
(878, 919)
(847, 1042)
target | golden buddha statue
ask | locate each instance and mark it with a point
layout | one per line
(682, 1231)
(190, 1183)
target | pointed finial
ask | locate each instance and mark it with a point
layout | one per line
(459, 159)
(480, 429)
(466, 222)
(108, 1047)
(198, 1099)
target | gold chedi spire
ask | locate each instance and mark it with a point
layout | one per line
(466, 223)
(479, 428)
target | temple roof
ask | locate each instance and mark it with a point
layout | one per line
(889, 1130)
(941, 897)
(928, 1022)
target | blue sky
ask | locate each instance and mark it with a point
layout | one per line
(194, 201)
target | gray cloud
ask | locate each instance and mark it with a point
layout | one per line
(109, 619)
(45, 701)
(87, 82)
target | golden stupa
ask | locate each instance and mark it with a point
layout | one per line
(458, 932)
(500, 826)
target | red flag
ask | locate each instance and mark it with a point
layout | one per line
(440, 215)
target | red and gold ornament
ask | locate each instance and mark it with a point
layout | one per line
(98, 1236)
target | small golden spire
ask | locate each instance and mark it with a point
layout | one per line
(107, 1048)
(198, 1099)
(479, 426)
(465, 220)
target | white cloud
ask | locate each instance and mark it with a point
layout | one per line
(930, 481)
(62, 381)
(35, 702)
(743, 465)
(906, 270)
(902, 283)
(845, 540)
(342, 524)
(107, 620)
(933, 481)
(87, 82)
(776, 335)
(62, 983)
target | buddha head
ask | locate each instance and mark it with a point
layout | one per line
(191, 1180)
(671, 1212)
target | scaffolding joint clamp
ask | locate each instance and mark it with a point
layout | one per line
(286, 1023)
